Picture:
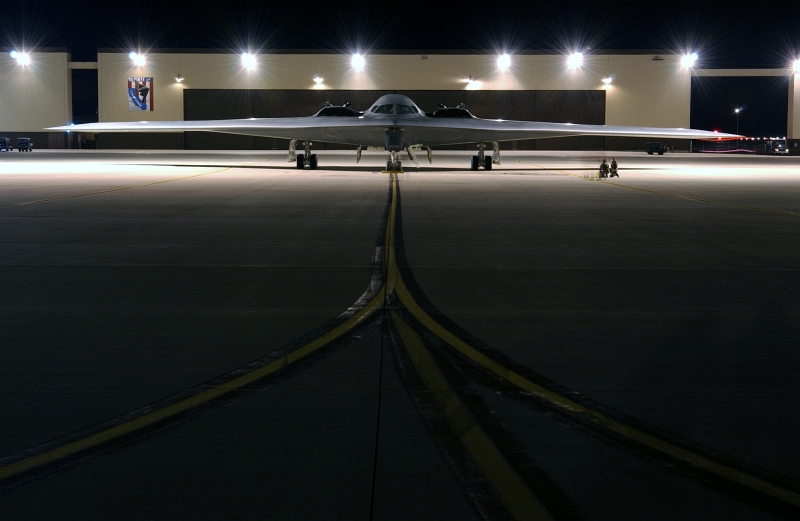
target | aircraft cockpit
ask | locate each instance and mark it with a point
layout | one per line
(391, 108)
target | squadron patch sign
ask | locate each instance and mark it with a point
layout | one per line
(140, 94)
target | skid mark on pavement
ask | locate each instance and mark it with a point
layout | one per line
(523, 494)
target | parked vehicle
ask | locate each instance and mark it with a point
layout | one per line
(24, 144)
(779, 147)
(5, 144)
(658, 147)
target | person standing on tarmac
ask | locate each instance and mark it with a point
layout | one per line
(603, 169)
(614, 172)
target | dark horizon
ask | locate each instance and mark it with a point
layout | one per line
(744, 35)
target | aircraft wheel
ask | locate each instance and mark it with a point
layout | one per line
(487, 163)
(474, 164)
(661, 153)
(389, 166)
(301, 159)
(312, 161)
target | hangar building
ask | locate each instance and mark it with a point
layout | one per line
(641, 88)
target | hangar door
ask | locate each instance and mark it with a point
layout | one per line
(558, 106)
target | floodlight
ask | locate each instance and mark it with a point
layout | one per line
(358, 61)
(178, 78)
(138, 59)
(575, 60)
(248, 60)
(504, 61)
(797, 66)
(318, 79)
(607, 80)
(688, 60)
(736, 111)
(22, 58)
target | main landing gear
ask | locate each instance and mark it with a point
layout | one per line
(305, 160)
(481, 160)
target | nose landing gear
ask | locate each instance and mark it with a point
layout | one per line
(393, 164)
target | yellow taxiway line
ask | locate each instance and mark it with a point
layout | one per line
(520, 502)
(633, 434)
(519, 499)
(182, 406)
(650, 441)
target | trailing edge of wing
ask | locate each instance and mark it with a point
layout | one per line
(370, 131)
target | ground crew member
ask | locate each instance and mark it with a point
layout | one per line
(603, 169)
(614, 172)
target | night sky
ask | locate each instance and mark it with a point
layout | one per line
(724, 34)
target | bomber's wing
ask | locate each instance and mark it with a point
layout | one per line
(452, 131)
(430, 131)
(330, 129)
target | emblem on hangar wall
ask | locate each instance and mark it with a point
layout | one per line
(140, 94)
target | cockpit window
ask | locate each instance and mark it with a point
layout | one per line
(405, 109)
(383, 109)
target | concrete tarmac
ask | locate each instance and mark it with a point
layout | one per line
(651, 321)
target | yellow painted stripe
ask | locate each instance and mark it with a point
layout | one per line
(521, 503)
(120, 189)
(154, 417)
(667, 194)
(701, 462)
(389, 254)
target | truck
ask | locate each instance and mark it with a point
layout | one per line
(24, 144)
(5, 144)
(778, 146)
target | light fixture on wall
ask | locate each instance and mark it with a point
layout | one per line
(137, 59)
(358, 62)
(688, 60)
(179, 78)
(473, 84)
(248, 61)
(22, 58)
(575, 60)
(796, 66)
(318, 79)
(504, 62)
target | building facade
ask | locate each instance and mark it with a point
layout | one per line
(640, 89)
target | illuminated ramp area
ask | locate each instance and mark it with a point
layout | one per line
(219, 335)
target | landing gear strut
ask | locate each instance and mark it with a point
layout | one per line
(481, 160)
(393, 164)
(308, 159)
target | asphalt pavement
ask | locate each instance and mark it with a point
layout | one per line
(206, 335)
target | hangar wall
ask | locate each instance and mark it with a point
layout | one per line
(35, 97)
(644, 92)
(793, 130)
